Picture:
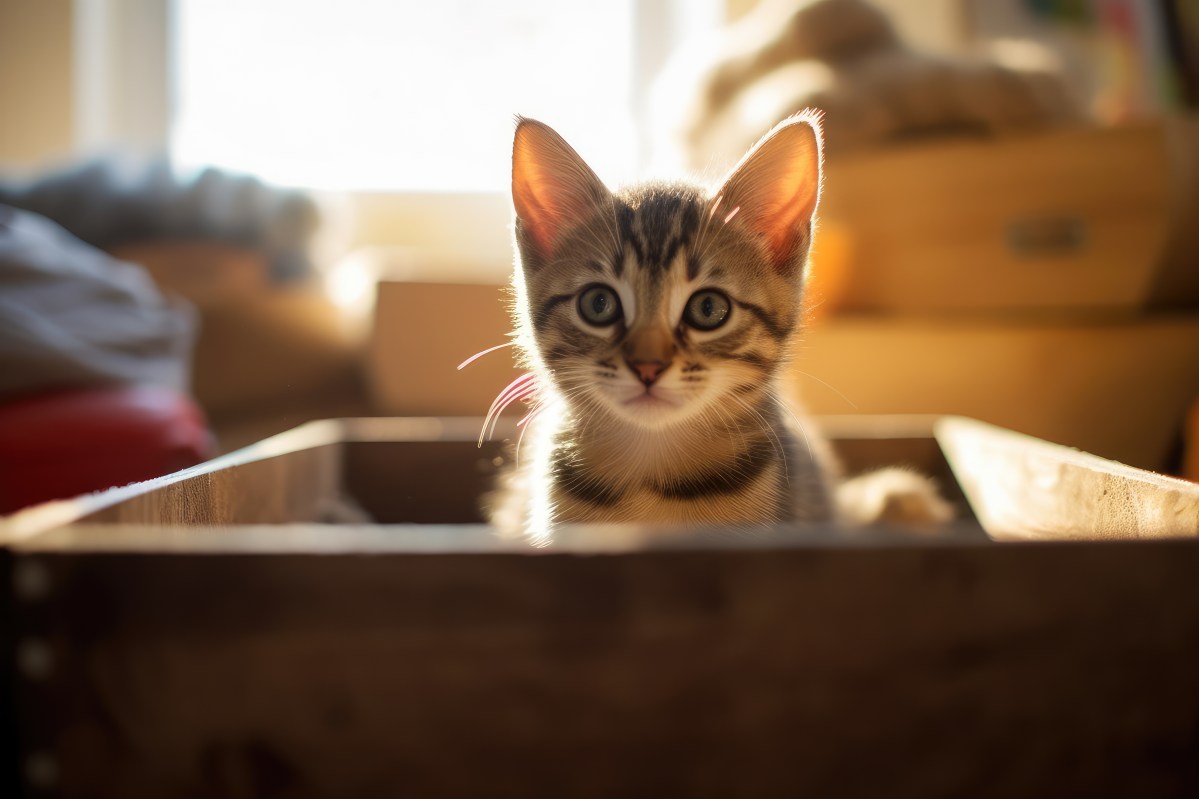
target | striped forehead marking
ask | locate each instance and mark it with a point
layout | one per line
(659, 225)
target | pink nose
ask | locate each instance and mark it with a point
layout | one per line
(648, 371)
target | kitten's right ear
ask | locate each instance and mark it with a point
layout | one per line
(552, 187)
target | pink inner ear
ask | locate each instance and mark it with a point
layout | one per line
(552, 187)
(536, 217)
(791, 221)
(772, 214)
(775, 188)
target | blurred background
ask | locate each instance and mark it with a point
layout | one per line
(220, 219)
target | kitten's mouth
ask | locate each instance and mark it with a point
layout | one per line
(648, 399)
(653, 408)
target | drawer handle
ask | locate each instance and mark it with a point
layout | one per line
(1046, 235)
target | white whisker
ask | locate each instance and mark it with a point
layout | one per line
(829, 386)
(487, 351)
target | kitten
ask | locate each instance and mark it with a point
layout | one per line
(656, 320)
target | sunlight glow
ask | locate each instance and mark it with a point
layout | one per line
(385, 95)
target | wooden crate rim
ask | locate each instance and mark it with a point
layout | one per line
(56, 526)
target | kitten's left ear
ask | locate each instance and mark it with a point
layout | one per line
(776, 186)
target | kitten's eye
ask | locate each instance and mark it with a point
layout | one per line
(706, 310)
(599, 306)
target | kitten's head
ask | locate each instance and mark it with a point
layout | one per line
(661, 304)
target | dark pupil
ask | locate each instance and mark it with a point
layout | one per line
(705, 307)
(600, 304)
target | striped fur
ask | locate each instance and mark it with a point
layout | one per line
(651, 417)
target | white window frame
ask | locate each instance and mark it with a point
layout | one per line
(122, 74)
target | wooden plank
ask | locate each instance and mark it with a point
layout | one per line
(421, 482)
(400, 539)
(284, 478)
(290, 477)
(987, 671)
(1024, 488)
(10, 726)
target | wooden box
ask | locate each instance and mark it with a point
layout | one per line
(1093, 220)
(226, 631)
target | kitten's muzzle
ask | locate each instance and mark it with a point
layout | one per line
(648, 353)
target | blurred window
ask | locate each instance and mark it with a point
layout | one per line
(400, 96)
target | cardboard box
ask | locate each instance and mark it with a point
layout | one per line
(207, 634)
(422, 332)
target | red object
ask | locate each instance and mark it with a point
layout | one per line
(64, 443)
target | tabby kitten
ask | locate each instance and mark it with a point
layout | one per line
(656, 320)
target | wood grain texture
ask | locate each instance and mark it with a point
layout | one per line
(1027, 670)
(284, 478)
(11, 778)
(296, 476)
(1024, 488)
